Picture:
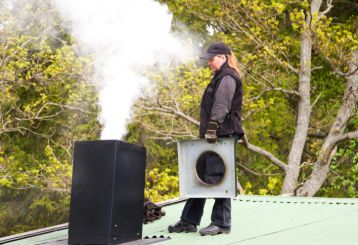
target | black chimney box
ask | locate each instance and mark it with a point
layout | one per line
(107, 192)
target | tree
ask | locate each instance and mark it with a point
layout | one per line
(284, 46)
(46, 103)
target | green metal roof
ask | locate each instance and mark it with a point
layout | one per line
(258, 220)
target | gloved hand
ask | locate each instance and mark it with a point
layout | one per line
(210, 134)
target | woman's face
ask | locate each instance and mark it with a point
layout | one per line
(216, 62)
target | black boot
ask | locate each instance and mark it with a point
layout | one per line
(181, 226)
(214, 230)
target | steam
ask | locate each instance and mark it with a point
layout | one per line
(124, 35)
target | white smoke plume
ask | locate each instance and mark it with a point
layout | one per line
(124, 35)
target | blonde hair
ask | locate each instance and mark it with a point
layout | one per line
(234, 64)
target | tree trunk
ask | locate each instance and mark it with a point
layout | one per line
(304, 104)
(321, 167)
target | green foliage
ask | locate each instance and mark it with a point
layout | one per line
(32, 210)
(46, 103)
(161, 185)
(343, 178)
(272, 186)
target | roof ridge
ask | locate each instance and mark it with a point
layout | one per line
(295, 199)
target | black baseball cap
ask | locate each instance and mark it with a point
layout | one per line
(215, 49)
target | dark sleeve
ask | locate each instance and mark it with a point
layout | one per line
(223, 98)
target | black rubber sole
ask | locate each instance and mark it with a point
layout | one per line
(173, 230)
(216, 233)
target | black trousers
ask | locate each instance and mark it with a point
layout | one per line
(220, 216)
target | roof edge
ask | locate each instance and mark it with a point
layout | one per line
(33, 233)
(171, 201)
(64, 226)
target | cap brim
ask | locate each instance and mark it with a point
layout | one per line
(207, 56)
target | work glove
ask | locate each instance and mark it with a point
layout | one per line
(210, 134)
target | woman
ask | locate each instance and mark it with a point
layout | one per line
(220, 114)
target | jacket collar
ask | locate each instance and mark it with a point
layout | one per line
(223, 66)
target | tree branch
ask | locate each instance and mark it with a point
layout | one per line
(316, 100)
(178, 113)
(290, 92)
(346, 74)
(246, 169)
(264, 153)
(171, 111)
(257, 41)
(324, 12)
(72, 108)
(320, 135)
(239, 187)
(351, 135)
(330, 147)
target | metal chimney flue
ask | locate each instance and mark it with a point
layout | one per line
(107, 192)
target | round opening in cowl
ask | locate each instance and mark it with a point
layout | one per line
(210, 168)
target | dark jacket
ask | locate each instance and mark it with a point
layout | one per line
(230, 124)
